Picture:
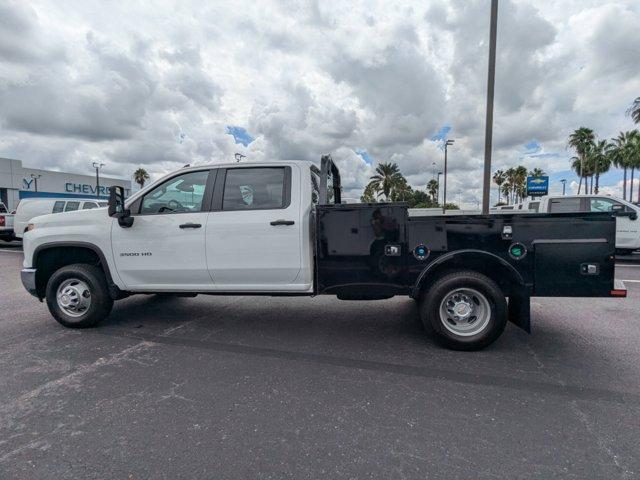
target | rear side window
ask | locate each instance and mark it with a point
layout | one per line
(535, 206)
(565, 205)
(89, 205)
(58, 207)
(254, 189)
(71, 206)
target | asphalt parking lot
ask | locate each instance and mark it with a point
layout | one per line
(254, 387)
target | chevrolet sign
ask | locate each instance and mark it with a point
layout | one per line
(537, 186)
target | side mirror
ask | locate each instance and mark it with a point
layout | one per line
(116, 207)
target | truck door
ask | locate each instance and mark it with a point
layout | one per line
(627, 230)
(164, 249)
(254, 232)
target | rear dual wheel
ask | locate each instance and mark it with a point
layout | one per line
(464, 310)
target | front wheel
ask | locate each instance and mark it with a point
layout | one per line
(78, 296)
(464, 310)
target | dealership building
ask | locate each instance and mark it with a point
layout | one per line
(18, 182)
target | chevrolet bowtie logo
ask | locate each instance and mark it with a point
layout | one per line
(537, 180)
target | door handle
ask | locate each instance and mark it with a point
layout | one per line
(282, 222)
(190, 225)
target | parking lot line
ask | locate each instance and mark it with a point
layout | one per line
(631, 281)
(12, 251)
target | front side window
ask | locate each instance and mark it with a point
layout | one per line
(254, 189)
(565, 205)
(58, 207)
(71, 206)
(181, 194)
(602, 204)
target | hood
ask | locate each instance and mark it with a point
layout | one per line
(77, 217)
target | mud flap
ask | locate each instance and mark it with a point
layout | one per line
(520, 311)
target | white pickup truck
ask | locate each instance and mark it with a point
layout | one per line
(279, 228)
(6, 224)
(627, 227)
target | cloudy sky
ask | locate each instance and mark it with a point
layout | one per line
(160, 84)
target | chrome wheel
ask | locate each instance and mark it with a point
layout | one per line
(465, 312)
(73, 297)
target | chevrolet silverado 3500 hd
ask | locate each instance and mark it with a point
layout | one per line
(278, 228)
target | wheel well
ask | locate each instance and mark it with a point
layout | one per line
(505, 276)
(51, 259)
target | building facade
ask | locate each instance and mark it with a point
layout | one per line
(18, 182)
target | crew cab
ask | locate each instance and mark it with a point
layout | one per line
(6, 224)
(279, 228)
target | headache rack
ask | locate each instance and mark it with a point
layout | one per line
(328, 168)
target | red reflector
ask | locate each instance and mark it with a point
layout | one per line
(618, 293)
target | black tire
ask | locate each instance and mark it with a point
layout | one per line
(433, 298)
(101, 302)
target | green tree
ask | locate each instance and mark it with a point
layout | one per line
(432, 189)
(499, 178)
(401, 191)
(634, 159)
(537, 173)
(387, 176)
(620, 156)
(140, 176)
(634, 110)
(369, 194)
(580, 140)
(598, 158)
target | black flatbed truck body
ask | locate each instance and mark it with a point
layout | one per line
(366, 251)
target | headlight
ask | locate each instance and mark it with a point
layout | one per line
(30, 226)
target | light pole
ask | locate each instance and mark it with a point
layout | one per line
(438, 190)
(564, 184)
(491, 78)
(444, 190)
(98, 166)
(35, 180)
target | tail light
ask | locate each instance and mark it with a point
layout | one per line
(1, 220)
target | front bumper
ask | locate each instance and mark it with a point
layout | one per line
(28, 277)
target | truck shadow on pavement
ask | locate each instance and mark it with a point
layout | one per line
(372, 336)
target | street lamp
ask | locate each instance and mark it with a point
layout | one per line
(98, 166)
(239, 156)
(35, 180)
(438, 190)
(564, 184)
(491, 77)
(444, 191)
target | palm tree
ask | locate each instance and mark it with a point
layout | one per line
(140, 176)
(634, 159)
(580, 139)
(387, 176)
(432, 189)
(620, 156)
(401, 190)
(576, 166)
(599, 158)
(369, 194)
(499, 178)
(634, 110)
(521, 182)
(537, 173)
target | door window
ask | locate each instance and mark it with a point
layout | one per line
(181, 194)
(254, 189)
(58, 207)
(602, 204)
(89, 205)
(565, 205)
(71, 206)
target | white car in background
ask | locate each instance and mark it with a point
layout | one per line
(34, 207)
(627, 227)
(6, 224)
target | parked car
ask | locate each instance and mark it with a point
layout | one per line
(627, 223)
(6, 224)
(271, 228)
(34, 207)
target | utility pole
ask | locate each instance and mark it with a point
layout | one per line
(444, 191)
(491, 78)
(564, 184)
(35, 180)
(438, 190)
(98, 166)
